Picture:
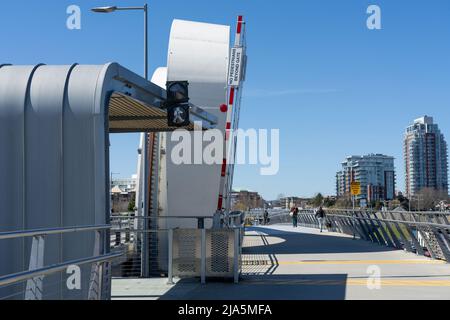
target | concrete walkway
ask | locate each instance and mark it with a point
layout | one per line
(280, 263)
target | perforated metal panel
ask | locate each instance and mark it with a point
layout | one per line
(219, 253)
(186, 253)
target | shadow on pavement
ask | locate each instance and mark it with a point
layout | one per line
(303, 243)
(260, 282)
(273, 287)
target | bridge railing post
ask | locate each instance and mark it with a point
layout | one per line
(237, 254)
(170, 257)
(203, 257)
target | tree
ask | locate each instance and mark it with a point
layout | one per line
(404, 202)
(329, 202)
(318, 200)
(377, 205)
(132, 206)
(428, 199)
(344, 203)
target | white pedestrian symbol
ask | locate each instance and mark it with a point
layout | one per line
(177, 114)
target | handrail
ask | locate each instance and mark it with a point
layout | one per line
(447, 213)
(171, 217)
(422, 233)
(282, 211)
(412, 223)
(26, 275)
(45, 232)
(142, 231)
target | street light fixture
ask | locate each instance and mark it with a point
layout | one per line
(110, 9)
(104, 9)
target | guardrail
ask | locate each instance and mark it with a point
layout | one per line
(178, 252)
(33, 278)
(423, 233)
(218, 252)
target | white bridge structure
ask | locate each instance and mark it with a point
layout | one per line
(55, 122)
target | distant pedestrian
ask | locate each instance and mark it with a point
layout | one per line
(320, 215)
(266, 217)
(294, 215)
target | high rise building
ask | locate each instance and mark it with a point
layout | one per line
(425, 152)
(375, 172)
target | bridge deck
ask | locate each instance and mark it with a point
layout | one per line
(282, 263)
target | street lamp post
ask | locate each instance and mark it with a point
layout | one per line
(145, 157)
(111, 9)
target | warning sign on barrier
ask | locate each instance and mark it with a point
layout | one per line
(236, 61)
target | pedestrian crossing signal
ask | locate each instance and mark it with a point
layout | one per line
(177, 103)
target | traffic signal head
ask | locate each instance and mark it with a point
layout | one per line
(177, 92)
(177, 103)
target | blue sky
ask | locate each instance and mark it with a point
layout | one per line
(315, 72)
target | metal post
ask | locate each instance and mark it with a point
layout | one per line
(146, 41)
(145, 254)
(203, 257)
(95, 283)
(170, 262)
(118, 239)
(236, 255)
(146, 158)
(201, 223)
(145, 263)
(34, 286)
(100, 280)
(353, 218)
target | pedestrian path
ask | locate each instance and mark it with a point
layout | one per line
(280, 262)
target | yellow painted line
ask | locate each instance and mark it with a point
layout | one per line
(401, 283)
(361, 262)
(357, 282)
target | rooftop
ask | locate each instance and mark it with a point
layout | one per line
(424, 120)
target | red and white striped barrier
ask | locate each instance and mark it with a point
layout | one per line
(234, 93)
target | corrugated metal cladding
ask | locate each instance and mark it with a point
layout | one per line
(54, 156)
(130, 115)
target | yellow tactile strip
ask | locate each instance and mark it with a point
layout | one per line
(360, 262)
(352, 282)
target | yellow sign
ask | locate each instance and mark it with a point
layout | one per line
(356, 188)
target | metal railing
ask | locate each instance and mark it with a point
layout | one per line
(423, 233)
(178, 252)
(129, 234)
(31, 284)
(118, 252)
